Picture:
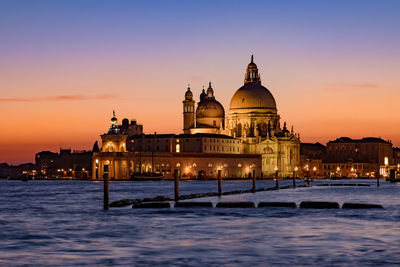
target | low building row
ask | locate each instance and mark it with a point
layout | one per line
(346, 157)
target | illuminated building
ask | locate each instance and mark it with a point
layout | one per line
(251, 143)
(346, 157)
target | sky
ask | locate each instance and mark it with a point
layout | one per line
(332, 66)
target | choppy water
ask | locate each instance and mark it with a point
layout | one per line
(61, 223)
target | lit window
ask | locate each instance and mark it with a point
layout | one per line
(210, 165)
(239, 165)
(177, 148)
(386, 161)
(178, 164)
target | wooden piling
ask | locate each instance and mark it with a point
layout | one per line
(294, 178)
(106, 191)
(377, 179)
(176, 175)
(219, 183)
(254, 183)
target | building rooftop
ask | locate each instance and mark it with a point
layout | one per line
(197, 135)
(363, 140)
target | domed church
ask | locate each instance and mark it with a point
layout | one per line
(253, 119)
(248, 142)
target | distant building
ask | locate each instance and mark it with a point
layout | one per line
(364, 157)
(249, 142)
(5, 171)
(25, 170)
(311, 156)
(65, 164)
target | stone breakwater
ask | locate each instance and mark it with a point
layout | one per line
(127, 202)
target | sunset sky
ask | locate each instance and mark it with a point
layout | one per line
(332, 66)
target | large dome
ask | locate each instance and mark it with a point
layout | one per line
(252, 96)
(210, 108)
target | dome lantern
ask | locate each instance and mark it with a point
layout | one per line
(114, 121)
(252, 75)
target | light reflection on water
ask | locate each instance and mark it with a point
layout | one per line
(61, 224)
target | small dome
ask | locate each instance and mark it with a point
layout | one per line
(188, 94)
(125, 122)
(252, 65)
(203, 96)
(210, 108)
(252, 96)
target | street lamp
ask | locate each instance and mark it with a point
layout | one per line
(276, 177)
(97, 169)
(307, 174)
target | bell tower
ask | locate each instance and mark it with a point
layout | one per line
(188, 111)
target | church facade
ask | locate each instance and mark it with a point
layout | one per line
(248, 142)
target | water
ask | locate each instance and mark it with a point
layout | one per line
(61, 223)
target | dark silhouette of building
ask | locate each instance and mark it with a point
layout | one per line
(66, 164)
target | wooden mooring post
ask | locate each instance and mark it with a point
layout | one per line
(294, 178)
(176, 176)
(254, 182)
(219, 183)
(106, 191)
(377, 179)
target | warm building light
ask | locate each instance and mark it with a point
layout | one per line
(386, 161)
(296, 169)
(97, 161)
(276, 168)
(315, 168)
(177, 148)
